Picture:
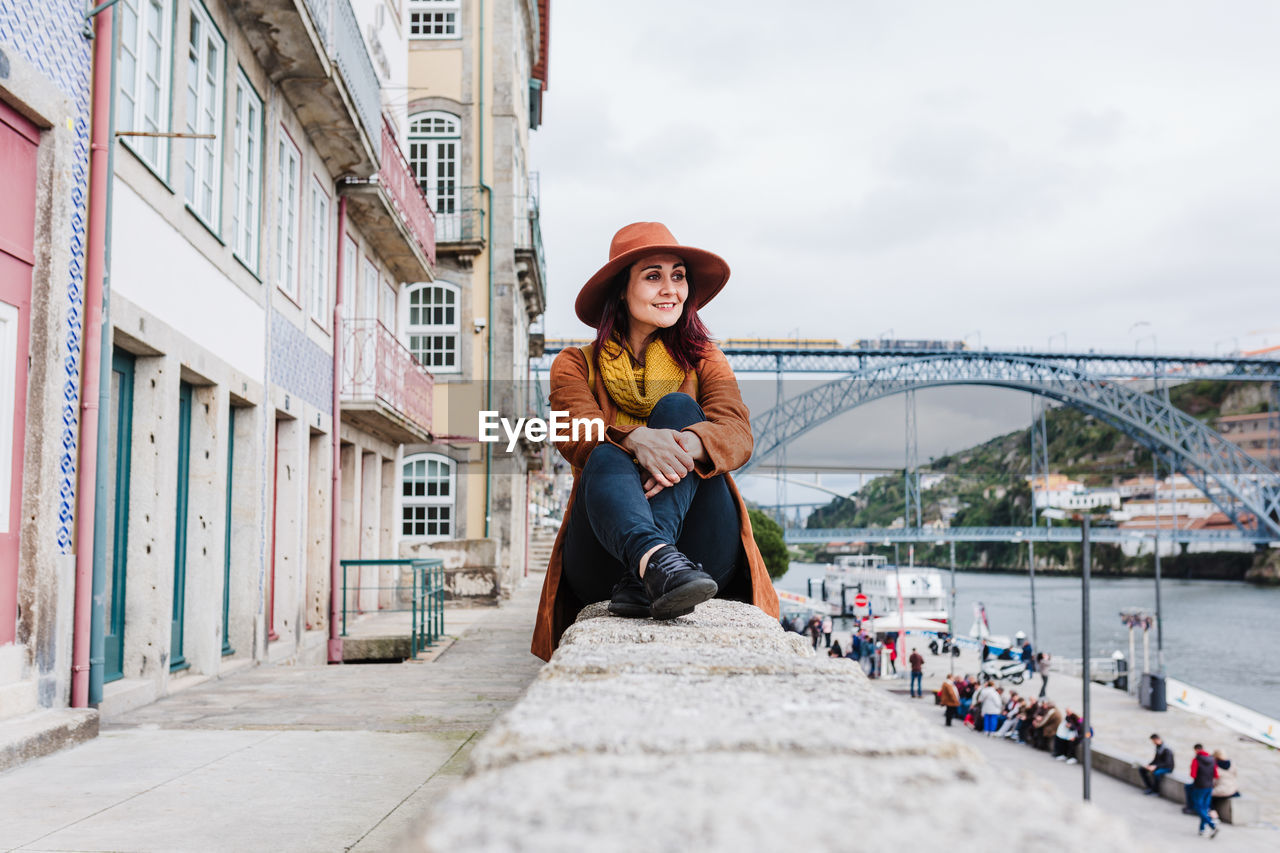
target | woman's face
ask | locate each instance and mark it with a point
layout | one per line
(656, 291)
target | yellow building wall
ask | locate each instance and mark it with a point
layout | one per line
(436, 72)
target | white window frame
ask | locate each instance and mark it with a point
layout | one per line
(445, 506)
(202, 175)
(246, 215)
(288, 215)
(435, 20)
(387, 306)
(143, 76)
(428, 339)
(435, 156)
(349, 279)
(319, 252)
(369, 291)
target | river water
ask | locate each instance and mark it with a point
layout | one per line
(1221, 636)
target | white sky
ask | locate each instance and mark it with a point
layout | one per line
(937, 169)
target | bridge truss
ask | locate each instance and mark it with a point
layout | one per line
(1246, 490)
(1012, 535)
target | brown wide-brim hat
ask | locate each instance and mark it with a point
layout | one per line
(707, 272)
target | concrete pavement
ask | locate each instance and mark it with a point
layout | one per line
(280, 758)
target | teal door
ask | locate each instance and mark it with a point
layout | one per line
(178, 660)
(121, 427)
(226, 568)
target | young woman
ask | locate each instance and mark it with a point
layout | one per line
(654, 523)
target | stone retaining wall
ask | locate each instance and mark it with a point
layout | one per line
(720, 731)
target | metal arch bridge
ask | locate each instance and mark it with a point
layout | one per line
(1247, 490)
(1013, 535)
(1239, 484)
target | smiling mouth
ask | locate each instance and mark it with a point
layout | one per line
(664, 306)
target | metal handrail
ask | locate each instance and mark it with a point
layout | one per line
(425, 595)
(378, 366)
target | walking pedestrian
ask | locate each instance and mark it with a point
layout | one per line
(1161, 765)
(1204, 772)
(652, 523)
(917, 674)
(949, 696)
(1042, 666)
(826, 629)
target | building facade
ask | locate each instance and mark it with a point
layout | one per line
(45, 68)
(477, 74)
(264, 229)
(1257, 435)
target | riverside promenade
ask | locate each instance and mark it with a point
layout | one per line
(281, 758)
(1121, 726)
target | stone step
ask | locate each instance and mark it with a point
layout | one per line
(43, 732)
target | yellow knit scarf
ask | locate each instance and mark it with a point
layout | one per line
(637, 388)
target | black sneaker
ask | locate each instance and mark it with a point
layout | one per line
(676, 584)
(629, 598)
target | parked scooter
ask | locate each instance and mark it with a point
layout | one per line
(1002, 670)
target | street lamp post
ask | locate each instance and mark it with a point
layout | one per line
(951, 616)
(1086, 567)
(1086, 754)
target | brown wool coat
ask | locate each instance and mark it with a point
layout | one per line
(726, 437)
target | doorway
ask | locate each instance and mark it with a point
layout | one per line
(19, 140)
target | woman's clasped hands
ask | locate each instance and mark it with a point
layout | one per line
(666, 455)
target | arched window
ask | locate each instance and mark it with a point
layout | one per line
(435, 140)
(427, 489)
(433, 325)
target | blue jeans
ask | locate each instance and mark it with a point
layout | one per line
(612, 524)
(917, 684)
(1200, 798)
(1151, 778)
(990, 722)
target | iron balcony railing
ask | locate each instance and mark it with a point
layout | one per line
(336, 22)
(389, 586)
(378, 368)
(459, 214)
(408, 198)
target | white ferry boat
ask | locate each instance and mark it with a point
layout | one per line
(923, 592)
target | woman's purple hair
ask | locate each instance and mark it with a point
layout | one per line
(688, 340)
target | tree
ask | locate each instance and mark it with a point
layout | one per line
(773, 548)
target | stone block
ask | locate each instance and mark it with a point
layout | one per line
(716, 613)
(809, 710)
(362, 649)
(720, 731)
(471, 571)
(617, 658)
(1238, 811)
(685, 633)
(42, 732)
(735, 802)
(456, 553)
